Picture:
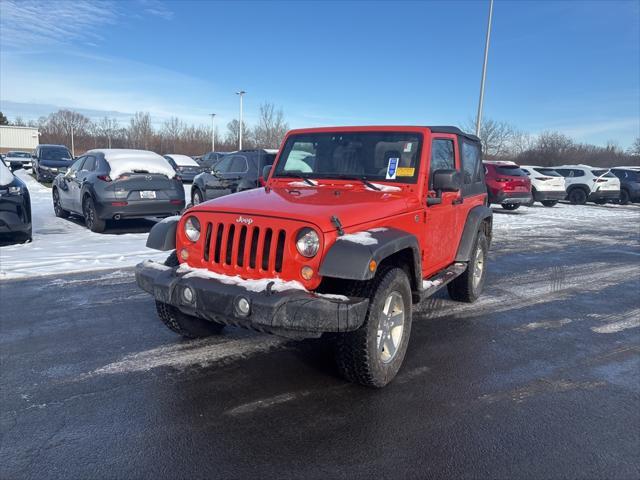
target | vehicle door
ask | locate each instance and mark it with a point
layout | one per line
(229, 173)
(69, 188)
(81, 178)
(441, 219)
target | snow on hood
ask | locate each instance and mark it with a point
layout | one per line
(6, 177)
(127, 161)
(183, 160)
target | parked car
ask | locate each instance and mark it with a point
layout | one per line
(15, 207)
(49, 160)
(236, 172)
(507, 184)
(186, 167)
(114, 184)
(547, 185)
(209, 160)
(386, 217)
(17, 159)
(629, 183)
(585, 183)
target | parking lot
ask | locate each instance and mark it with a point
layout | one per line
(538, 378)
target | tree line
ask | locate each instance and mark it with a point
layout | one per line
(500, 140)
(173, 135)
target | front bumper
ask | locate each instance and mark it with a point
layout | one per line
(517, 198)
(139, 209)
(552, 195)
(604, 195)
(48, 175)
(290, 313)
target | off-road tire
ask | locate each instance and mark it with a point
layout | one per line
(549, 203)
(57, 208)
(463, 288)
(357, 354)
(625, 198)
(510, 206)
(91, 220)
(196, 192)
(577, 196)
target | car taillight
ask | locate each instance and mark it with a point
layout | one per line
(104, 178)
(502, 179)
(176, 202)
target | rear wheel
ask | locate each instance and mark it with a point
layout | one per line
(549, 203)
(57, 206)
(468, 286)
(624, 197)
(577, 196)
(91, 219)
(196, 196)
(373, 354)
(510, 206)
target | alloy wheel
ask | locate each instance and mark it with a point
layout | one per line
(390, 327)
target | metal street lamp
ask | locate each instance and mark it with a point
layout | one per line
(213, 132)
(241, 94)
(484, 70)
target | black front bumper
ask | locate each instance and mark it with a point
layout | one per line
(549, 195)
(290, 313)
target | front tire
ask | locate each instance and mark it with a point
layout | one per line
(57, 206)
(91, 220)
(510, 206)
(196, 197)
(577, 196)
(373, 354)
(624, 197)
(468, 286)
(549, 203)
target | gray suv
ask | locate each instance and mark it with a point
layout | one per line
(113, 184)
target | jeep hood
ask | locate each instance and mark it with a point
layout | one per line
(314, 205)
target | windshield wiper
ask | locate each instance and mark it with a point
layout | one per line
(362, 178)
(301, 176)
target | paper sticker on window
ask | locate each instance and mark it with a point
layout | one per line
(407, 147)
(392, 168)
(406, 171)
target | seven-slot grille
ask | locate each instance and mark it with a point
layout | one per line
(231, 246)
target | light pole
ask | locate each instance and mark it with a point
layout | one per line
(213, 132)
(484, 69)
(241, 94)
(73, 151)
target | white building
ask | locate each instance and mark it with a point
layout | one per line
(18, 138)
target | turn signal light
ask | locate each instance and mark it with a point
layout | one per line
(306, 273)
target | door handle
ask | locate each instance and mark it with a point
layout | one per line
(457, 201)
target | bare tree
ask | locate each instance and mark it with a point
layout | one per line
(232, 137)
(140, 131)
(271, 127)
(108, 128)
(495, 137)
(172, 130)
(634, 149)
(19, 122)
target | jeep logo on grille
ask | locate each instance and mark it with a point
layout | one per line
(247, 221)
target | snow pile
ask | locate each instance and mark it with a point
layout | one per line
(361, 238)
(333, 296)
(128, 161)
(183, 160)
(383, 188)
(426, 284)
(259, 285)
(303, 184)
(6, 177)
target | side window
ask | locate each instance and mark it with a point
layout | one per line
(75, 166)
(471, 172)
(578, 173)
(89, 164)
(238, 164)
(223, 165)
(442, 157)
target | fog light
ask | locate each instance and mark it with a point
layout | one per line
(187, 294)
(184, 254)
(243, 306)
(306, 273)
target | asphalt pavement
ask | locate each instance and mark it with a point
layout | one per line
(539, 379)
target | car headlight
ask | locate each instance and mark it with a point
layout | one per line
(15, 190)
(308, 242)
(192, 229)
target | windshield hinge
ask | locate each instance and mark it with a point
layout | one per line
(336, 221)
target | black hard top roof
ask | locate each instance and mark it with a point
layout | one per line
(453, 130)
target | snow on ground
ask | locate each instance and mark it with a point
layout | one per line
(65, 245)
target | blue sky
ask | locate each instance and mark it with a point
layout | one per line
(570, 66)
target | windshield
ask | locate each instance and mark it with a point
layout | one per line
(18, 155)
(389, 156)
(603, 173)
(549, 172)
(512, 170)
(55, 153)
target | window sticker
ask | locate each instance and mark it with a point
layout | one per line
(407, 147)
(392, 168)
(406, 171)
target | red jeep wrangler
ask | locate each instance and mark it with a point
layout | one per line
(354, 226)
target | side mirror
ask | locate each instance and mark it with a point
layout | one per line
(33, 156)
(266, 170)
(444, 181)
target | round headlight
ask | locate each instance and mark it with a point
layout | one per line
(307, 242)
(192, 229)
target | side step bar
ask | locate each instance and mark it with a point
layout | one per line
(434, 283)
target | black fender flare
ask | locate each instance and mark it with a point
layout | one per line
(476, 216)
(163, 234)
(350, 260)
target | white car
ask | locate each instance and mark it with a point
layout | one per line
(547, 185)
(16, 160)
(589, 184)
